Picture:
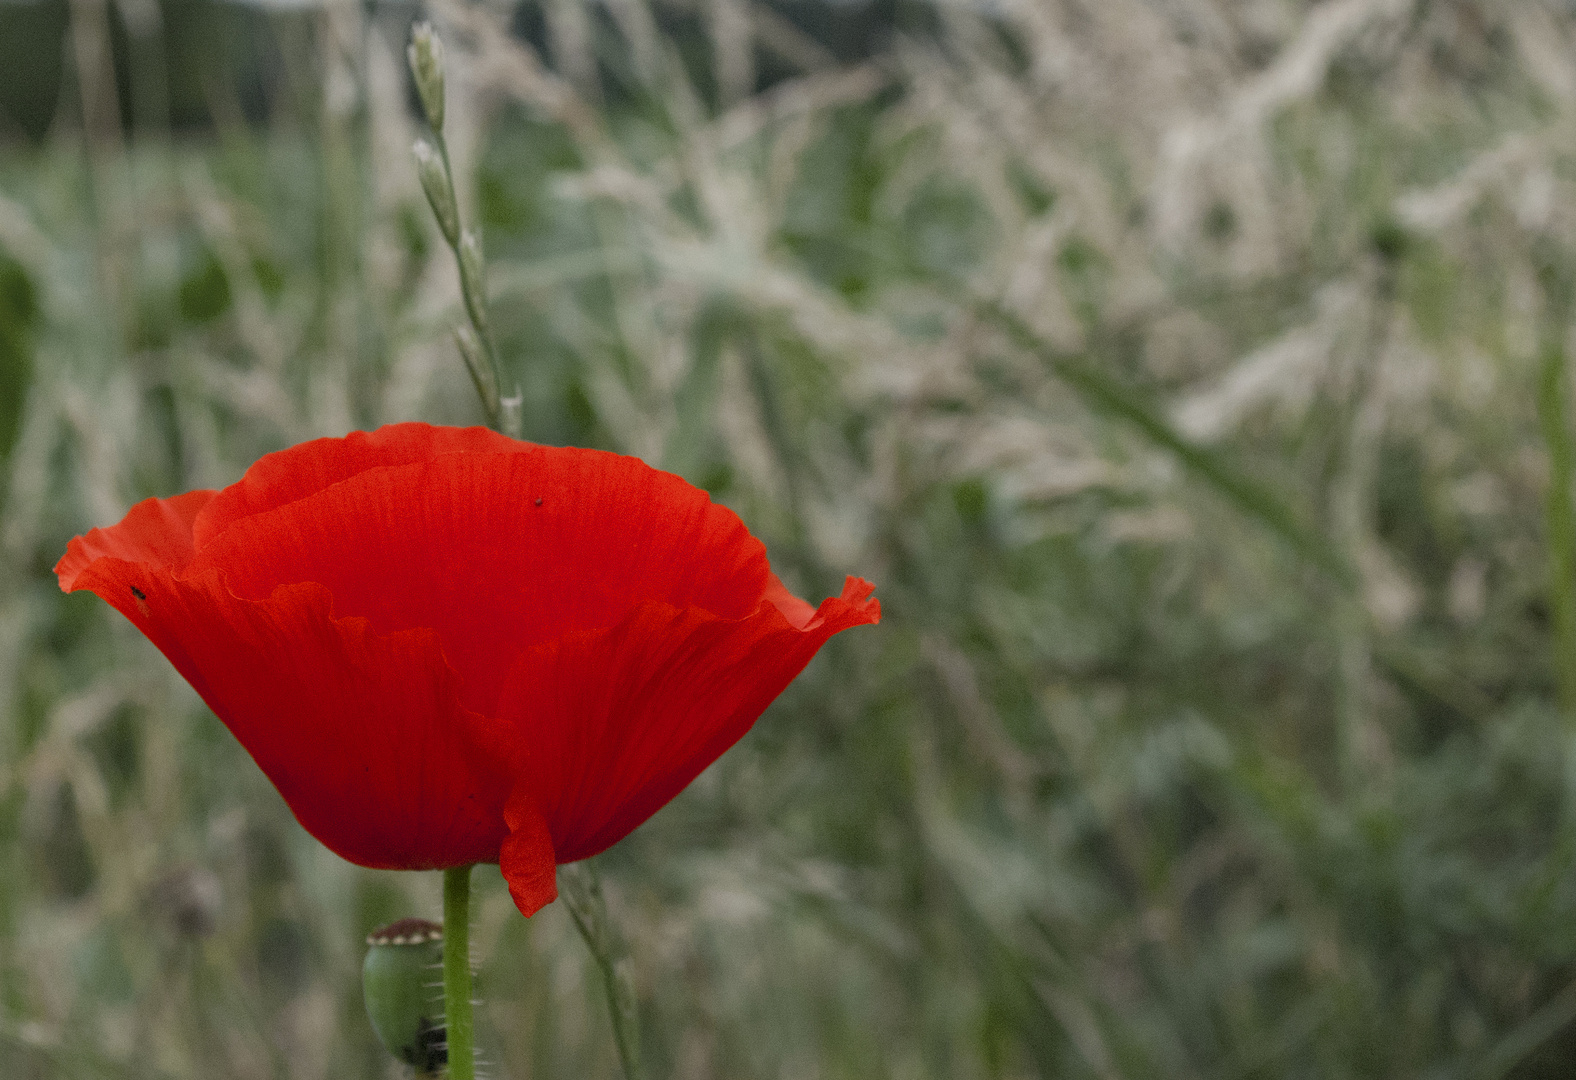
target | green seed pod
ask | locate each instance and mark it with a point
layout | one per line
(402, 981)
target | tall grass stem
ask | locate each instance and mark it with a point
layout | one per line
(1560, 515)
(582, 892)
(1105, 395)
(436, 172)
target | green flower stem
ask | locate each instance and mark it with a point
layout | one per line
(457, 1017)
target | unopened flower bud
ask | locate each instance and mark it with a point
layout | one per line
(440, 193)
(401, 981)
(426, 64)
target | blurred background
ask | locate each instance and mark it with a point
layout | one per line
(1190, 375)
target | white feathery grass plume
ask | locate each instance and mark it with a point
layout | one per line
(1191, 147)
(1284, 372)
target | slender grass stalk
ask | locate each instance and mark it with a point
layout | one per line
(582, 892)
(1559, 513)
(1349, 500)
(457, 1016)
(1108, 396)
(436, 172)
(1519, 1043)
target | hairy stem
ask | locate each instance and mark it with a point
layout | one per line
(457, 1016)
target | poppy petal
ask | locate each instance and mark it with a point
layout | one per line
(613, 723)
(282, 478)
(798, 612)
(363, 734)
(155, 531)
(527, 859)
(444, 646)
(499, 552)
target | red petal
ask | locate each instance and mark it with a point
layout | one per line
(362, 734)
(526, 859)
(499, 552)
(157, 532)
(613, 723)
(353, 607)
(798, 612)
(307, 468)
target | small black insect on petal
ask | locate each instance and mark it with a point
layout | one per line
(538, 500)
(138, 593)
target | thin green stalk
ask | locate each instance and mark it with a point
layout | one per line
(1107, 395)
(476, 347)
(1348, 501)
(436, 172)
(457, 1018)
(1560, 515)
(1526, 1037)
(1447, 688)
(582, 892)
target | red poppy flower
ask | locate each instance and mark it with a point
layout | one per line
(444, 646)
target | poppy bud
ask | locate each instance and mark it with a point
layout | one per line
(426, 64)
(402, 982)
(440, 192)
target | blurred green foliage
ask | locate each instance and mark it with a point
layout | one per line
(215, 61)
(1174, 369)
